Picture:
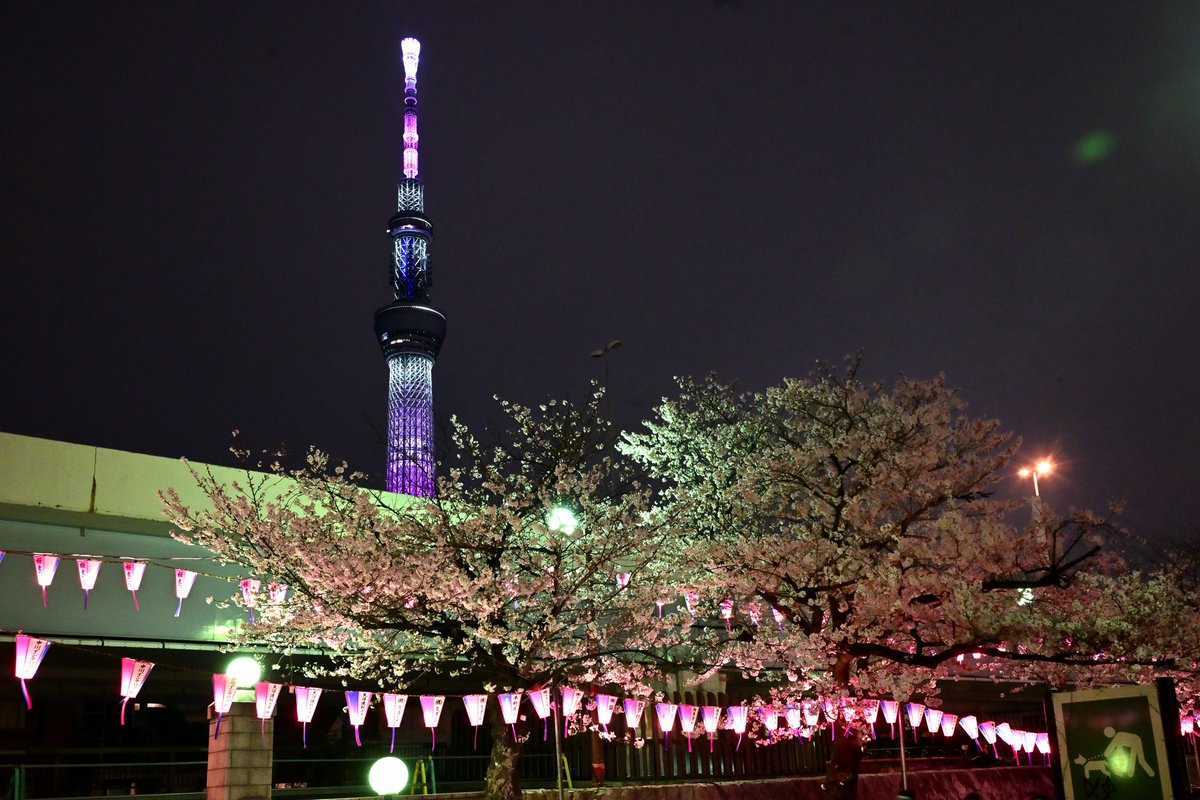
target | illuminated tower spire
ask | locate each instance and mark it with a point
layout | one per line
(410, 330)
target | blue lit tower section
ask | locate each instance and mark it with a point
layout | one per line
(410, 330)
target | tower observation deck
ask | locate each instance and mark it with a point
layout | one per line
(410, 330)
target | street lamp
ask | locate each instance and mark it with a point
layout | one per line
(1042, 467)
(562, 520)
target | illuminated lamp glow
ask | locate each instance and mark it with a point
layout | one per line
(410, 129)
(812, 716)
(510, 706)
(44, 567)
(89, 570)
(1043, 743)
(476, 705)
(245, 670)
(571, 698)
(891, 711)
(388, 775)
(561, 519)
(1187, 725)
(915, 713)
(971, 725)
(134, 570)
(410, 163)
(769, 717)
(794, 718)
(410, 462)
(711, 716)
(1004, 732)
(266, 696)
(933, 719)
(738, 718)
(540, 698)
(870, 711)
(1028, 741)
(949, 723)
(666, 713)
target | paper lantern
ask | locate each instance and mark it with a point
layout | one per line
(832, 712)
(277, 592)
(666, 713)
(891, 712)
(476, 705)
(266, 695)
(850, 712)
(571, 698)
(249, 591)
(184, 580)
(133, 675)
(540, 698)
(660, 604)
(778, 615)
(1043, 744)
(622, 580)
(1016, 739)
(949, 723)
(1028, 741)
(633, 711)
(988, 730)
(755, 614)
(1, 556)
(970, 726)
(1004, 733)
(510, 708)
(687, 721)
(690, 601)
(915, 713)
(307, 698)
(134, 570)
(1187, 725)
(794, 718)
(870, 711)
(224, 690)
(30, 652)
(44, 567)
(357, 704)
(605, 704)
(393, 711)
(89, 570)
(431, 710)
(812, 715)
(711, 716)
(769, 717)
(933, 719)
(727, 611)
(737, 716)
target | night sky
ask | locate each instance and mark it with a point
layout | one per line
(195, 199)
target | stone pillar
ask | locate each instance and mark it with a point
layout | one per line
(239, 760)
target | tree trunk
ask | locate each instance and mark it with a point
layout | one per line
(841, 778)
(503, 780)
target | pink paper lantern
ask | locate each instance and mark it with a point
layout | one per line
(711, 717)
(738, 717)
(393, 712)
(571, 698)
(812, 715)
(1187, 725)
(633, 711)
(249, 592)
(605, 705)
(307, 698)
(949, 723)
(1016, 740)
(666, 713)
(540, 699)
(89, 570)
(224, 690)
(915, 713)
(1043, 743)
(30, 652)
(769, 717)
(431, 710)
(134, 570)
(277, 592)
(133, 675)
(357, 704)
(44, 567)
(1028, 741)
(266, 696)
(184, 580)
(933, 719)
(850, 712)
(622, 580)
(794, 718)
(1004, 732)
(476, 705)
(755, 614)
(687, 721)
(870, 711)
(988, 731)
(727, 611)
(510, 708)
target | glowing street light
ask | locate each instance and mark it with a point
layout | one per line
(562, 520)
(388, 775)
(1042, 467)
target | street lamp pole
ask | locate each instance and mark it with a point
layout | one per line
(1043, 467)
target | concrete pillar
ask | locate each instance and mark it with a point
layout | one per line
(239, 760)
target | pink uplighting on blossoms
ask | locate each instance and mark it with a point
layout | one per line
(133, 675)
(44, 567)
(30, 652)
(357, 704)
(393, 712)
(134, 570)
(89, 570)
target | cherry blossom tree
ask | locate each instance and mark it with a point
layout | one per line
(475, 582)
(865, 518)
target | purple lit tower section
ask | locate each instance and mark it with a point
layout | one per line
(410, 330)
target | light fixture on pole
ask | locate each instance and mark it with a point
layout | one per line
(1043, 467)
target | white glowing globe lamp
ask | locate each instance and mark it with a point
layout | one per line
(562, 520)
(388, 775)
(245, 670)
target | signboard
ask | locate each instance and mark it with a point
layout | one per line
(1111, 745)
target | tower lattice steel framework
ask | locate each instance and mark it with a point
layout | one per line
(410, 330)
